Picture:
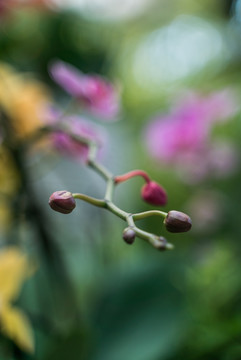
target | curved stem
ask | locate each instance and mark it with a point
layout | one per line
(145, 214)
(116, 210)
(92, 152)
(130, 221)
(154, 240)
(130, 174)
(90, 200)
(109, 190)
(100, 169)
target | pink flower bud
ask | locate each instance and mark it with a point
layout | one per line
(154, 194)
(129, 235)
(62, 201)
(177, 221)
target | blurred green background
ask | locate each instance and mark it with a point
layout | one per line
(92, 296)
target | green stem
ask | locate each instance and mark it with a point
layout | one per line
(116, 210)
(145, 214)
(130, 221)
(100, 169)
(154, 240)
(109, 190)
(92, 152)
(90, 200)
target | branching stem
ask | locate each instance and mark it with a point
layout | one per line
(111, 182)
(107, 203)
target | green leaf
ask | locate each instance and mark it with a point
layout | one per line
(140, 318)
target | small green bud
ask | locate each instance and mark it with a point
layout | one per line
(160, 243)
(129, 235)
(177, 221)
(62, 201)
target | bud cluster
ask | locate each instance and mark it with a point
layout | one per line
(153, 193)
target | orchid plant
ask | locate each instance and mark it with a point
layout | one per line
(101, 99)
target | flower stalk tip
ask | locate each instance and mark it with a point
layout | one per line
(161, 244)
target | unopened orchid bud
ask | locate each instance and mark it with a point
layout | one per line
(129, 235)
(62, 201)
(177, 221)
(154, 194)
(161, 243)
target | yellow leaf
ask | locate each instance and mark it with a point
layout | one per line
(16, 326)
(23, 100)
(13, 271)
(9, 175)
(5, 215)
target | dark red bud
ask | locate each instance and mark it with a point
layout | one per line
(129, 235)
(177, 221)
(62, 201)
(154, 194)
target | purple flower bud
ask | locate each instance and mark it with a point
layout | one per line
(129, 235)
(154, 194)
(62, 201)
(177, 221)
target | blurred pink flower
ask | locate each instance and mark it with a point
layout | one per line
(66, 145)
(96, 94)
(3, 7)
(6, 6)
(216, 159)
(183, 137)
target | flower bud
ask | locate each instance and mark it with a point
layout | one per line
(177, 221)
(154, 194)
(129, 235)
(62, 201)
(161, 243)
